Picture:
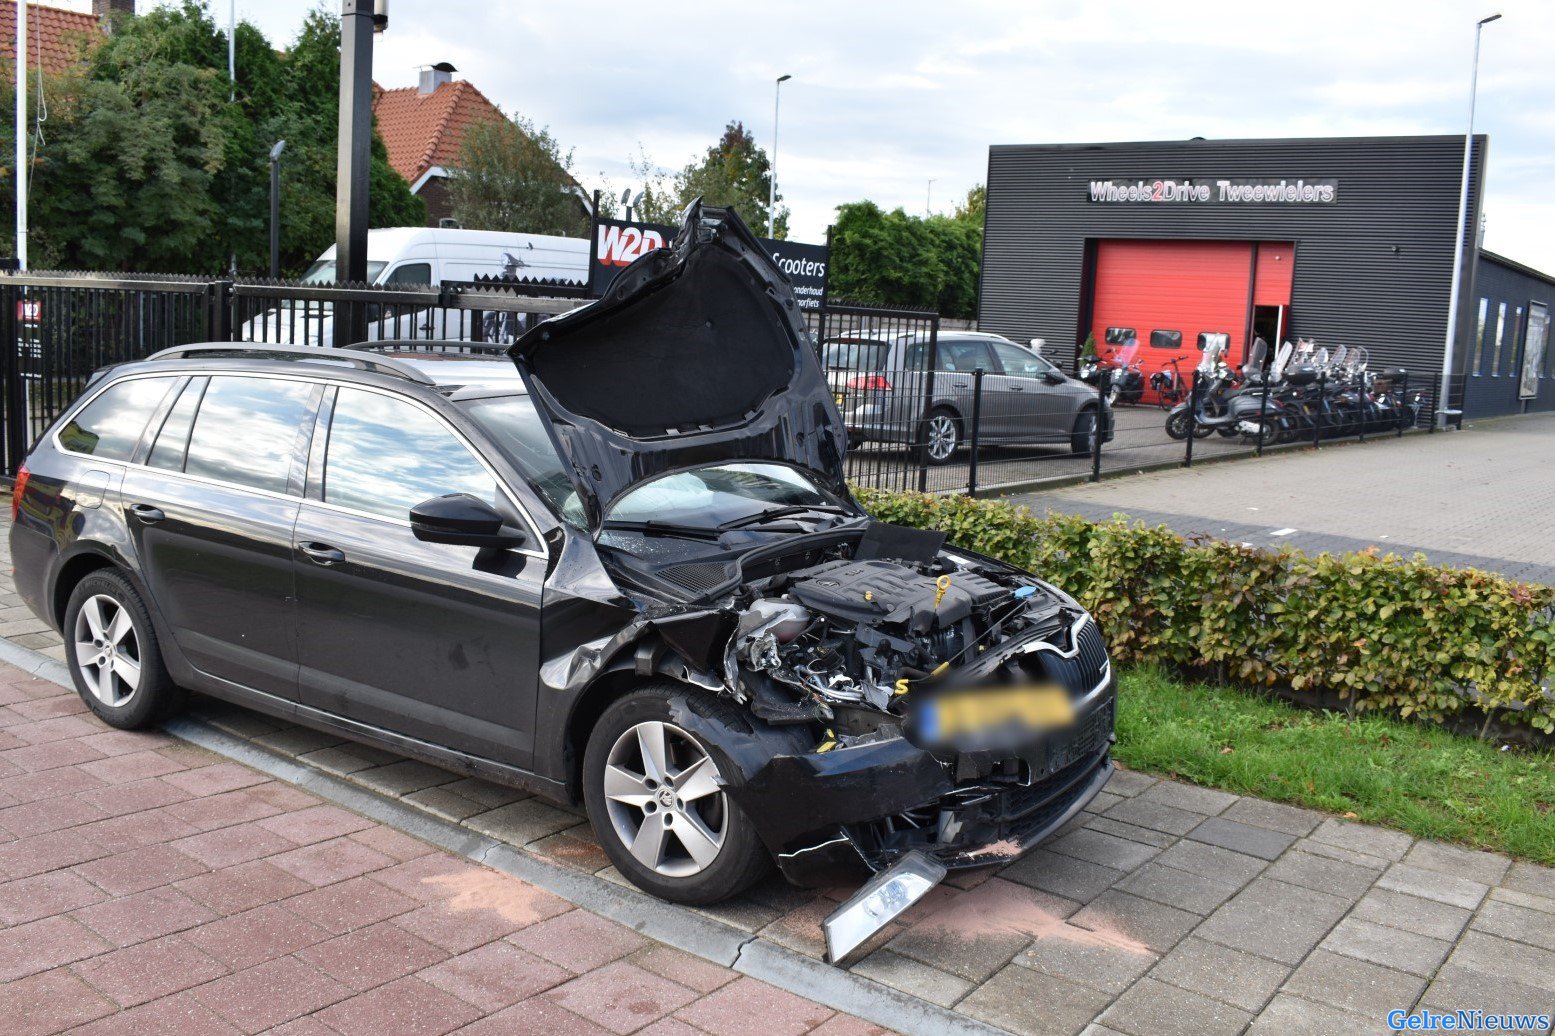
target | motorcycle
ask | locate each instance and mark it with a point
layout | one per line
(1127, 380)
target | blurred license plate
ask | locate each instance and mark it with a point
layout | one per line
(975, 713)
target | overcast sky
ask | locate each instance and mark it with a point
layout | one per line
(887, 96)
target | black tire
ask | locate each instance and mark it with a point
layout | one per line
(107, 595)
(1081, 441)
(939, 437)
(741, 858)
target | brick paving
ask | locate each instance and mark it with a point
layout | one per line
(149, 886)
(1480, 498)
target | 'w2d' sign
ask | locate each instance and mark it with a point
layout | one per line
(620, 244)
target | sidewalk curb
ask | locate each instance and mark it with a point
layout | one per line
(710, 940)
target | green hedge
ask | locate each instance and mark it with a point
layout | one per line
(1376, 631)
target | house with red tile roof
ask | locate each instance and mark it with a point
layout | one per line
(56, 38)
(423, 129)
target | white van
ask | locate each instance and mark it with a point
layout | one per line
(418, 257)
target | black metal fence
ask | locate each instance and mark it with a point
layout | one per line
(927, 408)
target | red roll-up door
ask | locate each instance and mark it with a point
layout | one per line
(1184, 286)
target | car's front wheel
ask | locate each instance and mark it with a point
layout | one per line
(113, 654)
(656, 795)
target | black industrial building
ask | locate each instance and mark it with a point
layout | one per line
(1339, 240)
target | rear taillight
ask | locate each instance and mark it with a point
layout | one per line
(17, 491)
(870, 383)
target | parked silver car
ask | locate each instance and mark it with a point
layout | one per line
(891, 389)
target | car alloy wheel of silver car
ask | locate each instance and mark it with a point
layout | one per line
(942, 436)
(666, 800)
(108, 650)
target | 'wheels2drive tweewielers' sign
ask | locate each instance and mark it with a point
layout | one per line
(1257, 192)
(620, 243)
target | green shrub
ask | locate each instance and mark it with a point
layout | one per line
(1375, 631)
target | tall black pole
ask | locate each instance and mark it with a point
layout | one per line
(355, 155)
(275, 209)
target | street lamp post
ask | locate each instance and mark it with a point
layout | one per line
(275, 208)
(1444, 402)
(777, 93)
(928, 198)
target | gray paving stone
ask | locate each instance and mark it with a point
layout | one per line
(1144, 812)
(1318, 872)
(1152, 1008)
(1390, 947)
(1099, 1030)
(1212, 861)
(295, 741)
(522, 822)
(1103, 801)
(486, 793)
(1142, 835)
(910, 976)
(1242, 838)
(1456, 987)
(1107, 850)
(1354, 985)
(1240, 979)
(1484, 867)
(1411, 913)
(1276, 816)
(1079, 956)
(247, 725)
(445, 803)
(1189, 797)
(974, 957)
(1364, 838)
(1516, 923)
(1523, 899)
(403, 777)
(1343, 855)
(1157, 925)
(1518, 962)
(1530, 877)
(1181, 889)
(1444, 888)
(1289, 1015)
(348, 758)
(1066, 876)
(1128, 782)
(1034, 1003)
(1275, 920)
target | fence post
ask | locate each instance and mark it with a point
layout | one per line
(928, 404)
(1193, 420)
(1322, 409)
(218, 311)
(977, 420)
(15, 396)
(1403, 404)
(1263, 408)
(1101, 411)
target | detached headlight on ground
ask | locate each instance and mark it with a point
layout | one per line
(874, 906)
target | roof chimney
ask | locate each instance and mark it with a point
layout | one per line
(104, 10)
(432, 76)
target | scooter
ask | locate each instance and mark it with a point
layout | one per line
(1209, 411)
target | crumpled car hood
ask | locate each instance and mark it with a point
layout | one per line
(696, 355)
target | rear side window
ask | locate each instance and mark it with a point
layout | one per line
(173, 440)
(111, 425)
(854, 354)
(247, 430)
(386, 456)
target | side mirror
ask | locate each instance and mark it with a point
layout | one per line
(464, 521)
(1054, 377)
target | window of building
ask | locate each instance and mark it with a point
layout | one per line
(1495, 354)
(1169, 340)
(247, 430)
(1477, 366)
(110, 426)
(387, 455)
(1513, 339)
(1120, 335)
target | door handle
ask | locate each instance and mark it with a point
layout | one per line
(1017, 388)
(322, 553)
(961, 384)
(146, 513)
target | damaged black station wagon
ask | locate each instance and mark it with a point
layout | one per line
(629, 574)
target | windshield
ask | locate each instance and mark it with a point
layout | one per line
(854, 354)
(323, 272)
(712, 496)
(519, 431)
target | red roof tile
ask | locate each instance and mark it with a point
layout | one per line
(56, 36)
(425, 130)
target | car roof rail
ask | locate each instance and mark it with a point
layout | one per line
(263, 351)
(431, 346)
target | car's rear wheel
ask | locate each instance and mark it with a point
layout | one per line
(656, 796)
(1083, 439)
(940, 437)
(113, 654)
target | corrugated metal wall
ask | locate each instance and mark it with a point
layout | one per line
(1372, 269)
(1494, 380)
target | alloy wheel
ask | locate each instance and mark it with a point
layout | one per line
(107, 650)
(666, 800)
(942, 436)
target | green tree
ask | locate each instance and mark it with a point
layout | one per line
(973, 208)
(514, 176)
(734, 173)
(894, 259)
